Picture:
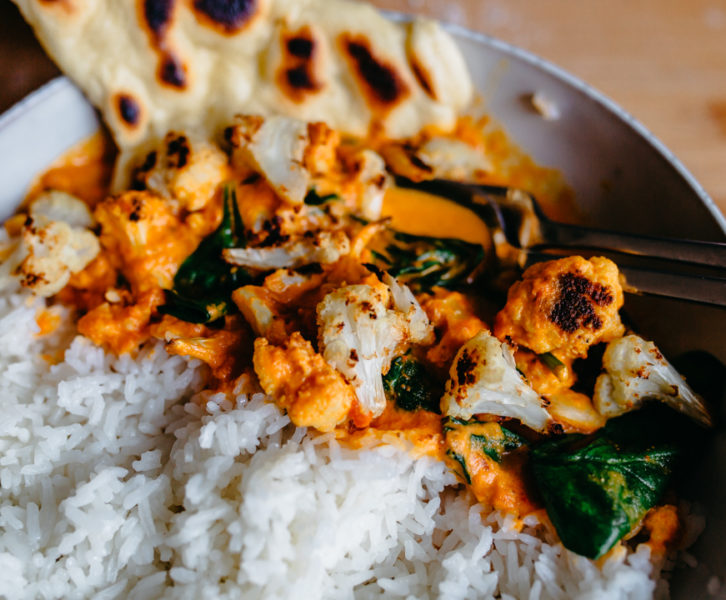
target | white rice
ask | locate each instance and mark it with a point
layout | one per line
(114, 485)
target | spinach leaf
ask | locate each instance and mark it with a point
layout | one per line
(496, 447)
(410, 386)
(423, 262)
(464, 474)
(596, 488)
(204, 282)
(472, 446)
(489, 438)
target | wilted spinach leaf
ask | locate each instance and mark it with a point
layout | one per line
(488, 437)
(596, 488)
(464, 474)
(495, 447)
(410, 386)
(204, 282)
(423, 262)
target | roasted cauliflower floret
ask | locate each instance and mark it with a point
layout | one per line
(142, 229)
(54, 252)
(53, 244)
(186, 170)
(261, 311)
(563, 306)
(636, 371)
(367, 181)
(321, 153)
(299, 380)
(274, 147)
(121, 327)
(437, 157)
(220, 350)
(361, 328)
(296, 157)
(574, 412)
(323, 247)
(54, 205)
(483, 379)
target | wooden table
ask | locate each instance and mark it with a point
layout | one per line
(664, 61)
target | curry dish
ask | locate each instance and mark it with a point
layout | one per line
(287, 261)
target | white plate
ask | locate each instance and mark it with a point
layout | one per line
(622, 176)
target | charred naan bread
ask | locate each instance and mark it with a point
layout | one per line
(190, 65)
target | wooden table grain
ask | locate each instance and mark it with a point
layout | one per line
(664, 61)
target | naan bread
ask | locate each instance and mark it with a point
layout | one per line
(152, 66)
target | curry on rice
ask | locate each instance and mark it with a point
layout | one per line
(288, 261)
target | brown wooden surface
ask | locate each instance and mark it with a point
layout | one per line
(664, 61)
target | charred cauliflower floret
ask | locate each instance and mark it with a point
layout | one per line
(361, 328)
(636, 371)
(301, 382)
(220, 350)
(261, 311)
(188, 171)
(54, 205)
(143, 230)
(323, 247)
(365, 184)
(296, 157)
(53, 244)
(483, 379)
(275, 148)
(437, 157)
(563, 306)
(574, 412)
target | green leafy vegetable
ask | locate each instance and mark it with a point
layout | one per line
(488, 437)
(410, 386)
(313, 199)
(494, 447)
(464, 474)
(595, 489)
(424, 262)
(204, 282)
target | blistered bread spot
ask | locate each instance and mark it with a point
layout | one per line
(172, 72)
(382, 86)
(296, 74)
(227, 16)
(157, 16)
(129, 109)
(422, 76)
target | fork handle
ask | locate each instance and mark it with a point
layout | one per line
(711, 254)
(706, 290)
